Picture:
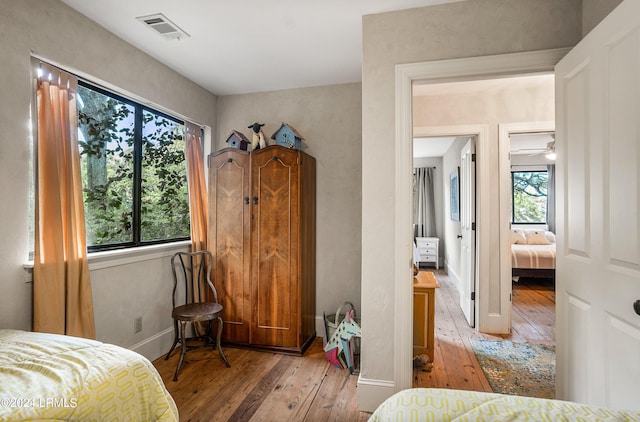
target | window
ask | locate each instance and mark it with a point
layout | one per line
(133, 172)
(529, 197)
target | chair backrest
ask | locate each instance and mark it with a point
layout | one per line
(192, 277)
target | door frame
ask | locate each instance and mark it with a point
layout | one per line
(481, 135)
(504, 148)
(442, 71)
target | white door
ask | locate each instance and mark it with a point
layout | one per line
(467, 231)
(598, 211)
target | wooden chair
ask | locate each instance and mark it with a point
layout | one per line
(191, 305)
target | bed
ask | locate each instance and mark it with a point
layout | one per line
(434, 404)
(533, 253)
(55, 377)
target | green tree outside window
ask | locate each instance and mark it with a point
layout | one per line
(529, 196)
(133, 172)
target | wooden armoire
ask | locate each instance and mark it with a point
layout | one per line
(262, 212)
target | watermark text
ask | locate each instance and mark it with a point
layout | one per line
(22, 402)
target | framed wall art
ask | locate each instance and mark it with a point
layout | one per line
(454, 178)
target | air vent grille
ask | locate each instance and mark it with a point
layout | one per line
(163, 26)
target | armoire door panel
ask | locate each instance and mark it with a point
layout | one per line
(229, 239)
(275, 176)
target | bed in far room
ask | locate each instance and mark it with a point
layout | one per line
(533, 253)
(56, 377)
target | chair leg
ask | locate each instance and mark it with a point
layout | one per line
(175, 339)
(183, 348)
(218, 340)
(209, 336)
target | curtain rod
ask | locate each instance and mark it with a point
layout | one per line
(113, 89)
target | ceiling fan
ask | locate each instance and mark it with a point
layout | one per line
(549, 151)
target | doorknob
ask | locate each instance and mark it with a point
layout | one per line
(636, 306)
(459, 236)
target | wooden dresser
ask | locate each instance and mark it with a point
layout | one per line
(424, 301)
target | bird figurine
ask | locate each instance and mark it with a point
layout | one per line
(257, 140)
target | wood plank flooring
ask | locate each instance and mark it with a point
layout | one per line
(455, 366)
(262, 386)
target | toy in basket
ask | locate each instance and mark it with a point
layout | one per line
(340, 347)
(332, 321)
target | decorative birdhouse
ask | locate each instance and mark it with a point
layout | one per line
(288, 136)
(238, 140)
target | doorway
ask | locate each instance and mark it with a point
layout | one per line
(489, 274)
(439, 109)
(526, 145)
(448, 157)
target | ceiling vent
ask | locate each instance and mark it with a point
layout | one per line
(163, 26)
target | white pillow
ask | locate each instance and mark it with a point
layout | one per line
(550, 236)
(537, 237)
(518, 237)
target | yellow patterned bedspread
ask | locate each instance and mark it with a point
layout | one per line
(53, 377)
(433, 404)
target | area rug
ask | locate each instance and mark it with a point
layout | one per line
(521, 369)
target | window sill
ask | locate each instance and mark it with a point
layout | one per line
(119, 257)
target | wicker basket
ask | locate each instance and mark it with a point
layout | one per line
(332, 321)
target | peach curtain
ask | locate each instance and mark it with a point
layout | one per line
(198, 204)
(62, 299)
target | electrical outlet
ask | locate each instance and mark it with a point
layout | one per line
(28, 275)
(137, 325)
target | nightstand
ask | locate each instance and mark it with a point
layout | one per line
(428, 250)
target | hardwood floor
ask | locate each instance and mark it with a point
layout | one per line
(534, 316)
(263, 386)
(455, 366)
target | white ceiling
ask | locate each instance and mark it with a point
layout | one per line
(248, 46)
(432, 146)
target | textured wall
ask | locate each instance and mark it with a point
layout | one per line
(329, 118)
(593, 11)
(65, 37)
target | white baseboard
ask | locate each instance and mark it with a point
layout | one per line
(155, 346)
(158, 345)
(454, 276)
(319, 326)
(372, 392)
